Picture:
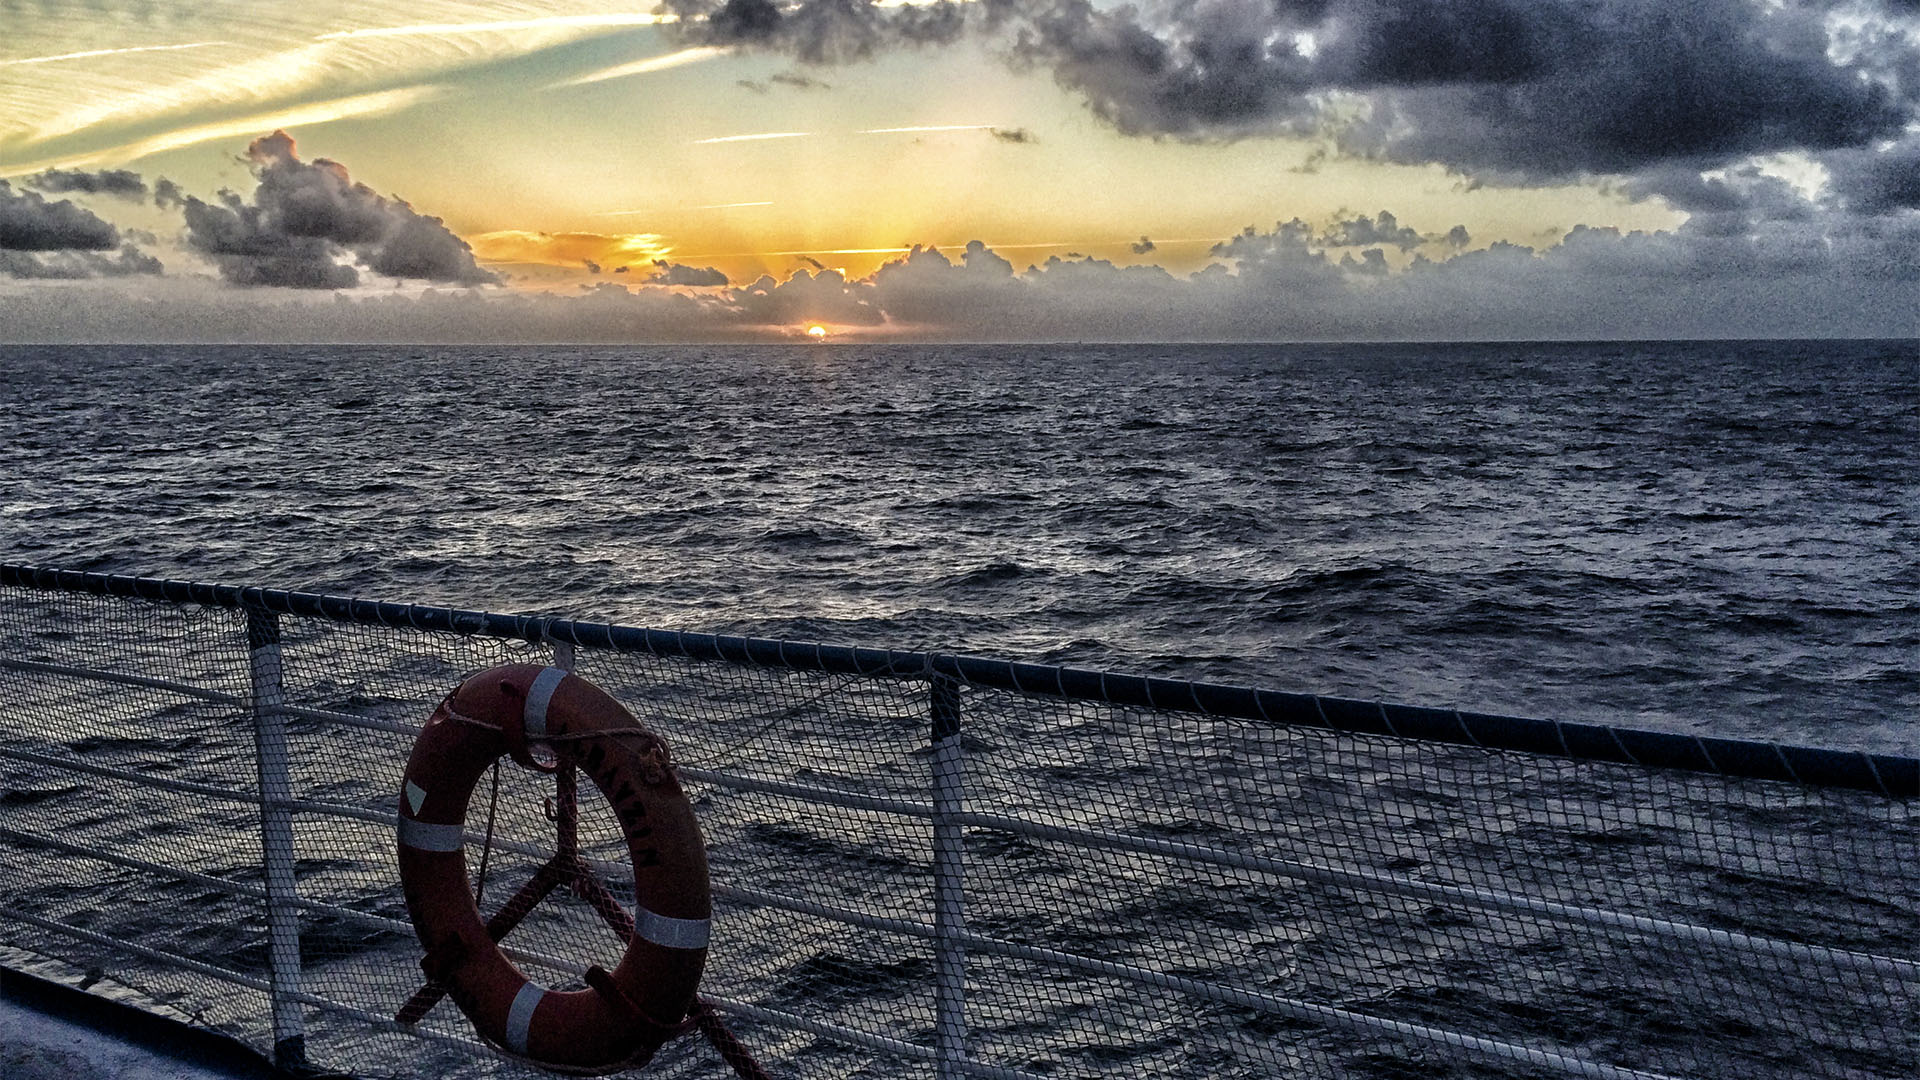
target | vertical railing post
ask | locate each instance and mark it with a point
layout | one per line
(276, 836)
(949, 882)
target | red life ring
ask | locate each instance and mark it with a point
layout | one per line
(623, 1016)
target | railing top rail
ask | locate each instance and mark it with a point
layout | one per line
(1886, 774)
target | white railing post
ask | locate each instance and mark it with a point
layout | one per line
(276, 836)
(949, 883)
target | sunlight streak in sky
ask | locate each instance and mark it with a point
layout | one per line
(672, 209)
(547, 22)
(246, 127)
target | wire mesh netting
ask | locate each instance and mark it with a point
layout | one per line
(1146, 892)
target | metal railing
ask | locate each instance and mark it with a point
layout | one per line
(943, 682)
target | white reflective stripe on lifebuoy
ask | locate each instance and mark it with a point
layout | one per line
(533, 719)
(520, 1015)
(672, 933)
(426, 836)
(416, 795)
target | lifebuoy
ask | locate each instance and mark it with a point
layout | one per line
(624, 1015)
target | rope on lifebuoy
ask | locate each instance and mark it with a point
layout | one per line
(625, 1014)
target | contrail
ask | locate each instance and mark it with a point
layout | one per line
(754, 138)
(112, 52)
(928, 127)
(644, 67)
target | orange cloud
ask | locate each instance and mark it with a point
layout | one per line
(568, 249)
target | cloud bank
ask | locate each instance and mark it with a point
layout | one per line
(1758, 256)
(1751, 270)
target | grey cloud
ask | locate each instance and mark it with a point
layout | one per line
(167, 194)
(592, 267)
(798, 81)
(676, 274)
(1370, 232)
(119, 182)
(806, 297)
(305, 217)
(1018, 136)
(816, 31)
(30, 222)
(77, 265)
(1372, 263)
(811, 261)
(1144, 247)
(1458, 237)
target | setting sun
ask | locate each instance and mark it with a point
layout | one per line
(817, 332)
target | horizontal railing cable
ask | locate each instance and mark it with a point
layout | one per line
(1324, 1015)
(864, 1040)
(214, 971)
(1358, 880)
(1894, 776)
(204, 694)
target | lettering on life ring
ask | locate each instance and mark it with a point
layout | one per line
(623, 1015)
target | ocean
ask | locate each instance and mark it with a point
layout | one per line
(1706, 537)
(1715, 538)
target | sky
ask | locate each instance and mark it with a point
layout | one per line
(1032, 170)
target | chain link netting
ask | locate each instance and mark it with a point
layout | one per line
(1146, 892)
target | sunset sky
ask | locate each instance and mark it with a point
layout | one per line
(1204, 169)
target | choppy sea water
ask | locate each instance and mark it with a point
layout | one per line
(1711, 537)
(1705, 537)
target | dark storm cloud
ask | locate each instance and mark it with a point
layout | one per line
(667, 273)
(1524, 89)
(1703, 82)
(1533, 89)
(1362, 231)
(57, 240)
(1458, 237)
(119, 182)
(1879, 181)
(306, 216)
(30, 222)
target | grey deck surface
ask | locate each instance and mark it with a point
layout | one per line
(37, 1046)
